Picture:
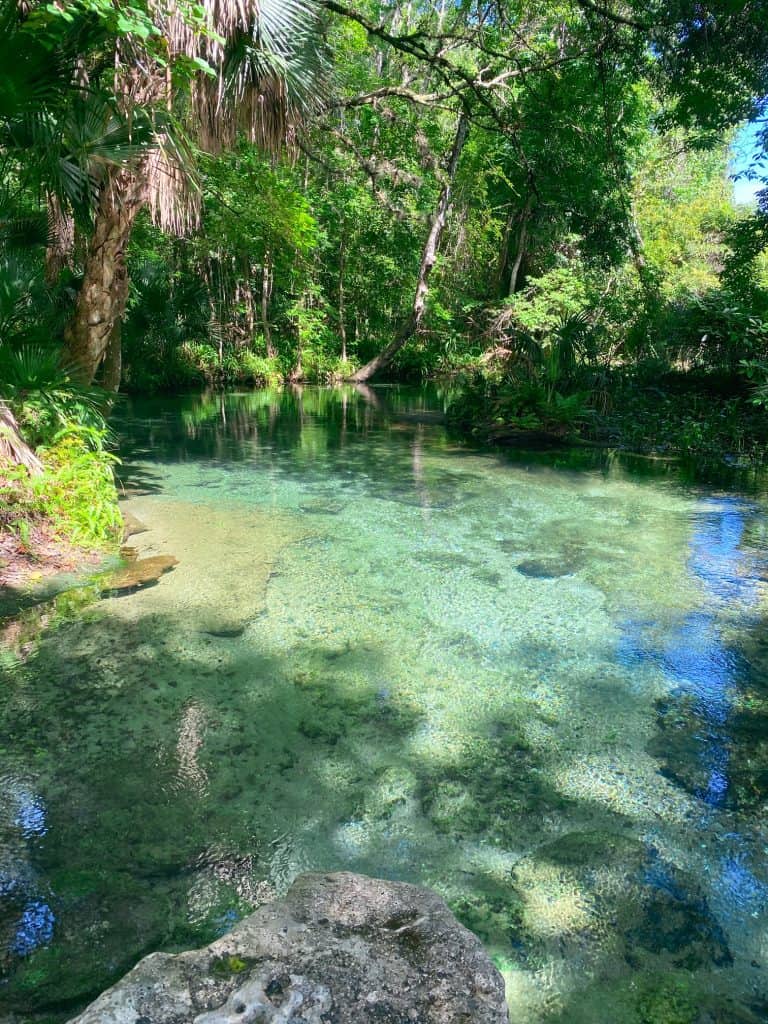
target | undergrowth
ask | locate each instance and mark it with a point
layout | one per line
(74, 498)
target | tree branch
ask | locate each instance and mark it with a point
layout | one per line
(398, 91)
(618, 19)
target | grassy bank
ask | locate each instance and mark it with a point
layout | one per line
(61, 519)
(61, 511)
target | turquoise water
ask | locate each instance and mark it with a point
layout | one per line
(535, 683)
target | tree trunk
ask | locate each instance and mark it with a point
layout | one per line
(101, 303)
(297, 373)
(250, 318)
(266, 294)
(111, 370)
(501, 266)
(13, 448)
(521, 243)
(112, 367)
(342, 310)
(637, 250)
(428, 258)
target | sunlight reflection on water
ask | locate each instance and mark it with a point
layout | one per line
(516, 678)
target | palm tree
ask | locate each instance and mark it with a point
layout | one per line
(247, 66)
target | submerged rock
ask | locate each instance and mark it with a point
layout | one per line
(545, 569)
(222, 625)
(724, 763)
(572, 885)
(321, 508)
(132, 526)
(338, 949)
(141, 573)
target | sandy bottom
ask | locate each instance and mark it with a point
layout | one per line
(539, 691)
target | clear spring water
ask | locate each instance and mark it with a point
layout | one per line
(535, 683)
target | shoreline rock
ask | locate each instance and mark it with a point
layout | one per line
(337, 949)
(138, 573)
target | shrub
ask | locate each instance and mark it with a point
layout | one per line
(261, 370)
(75, 496)
(44, 396)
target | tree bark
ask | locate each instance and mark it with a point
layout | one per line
(13, 447)
(522, 240)
(100, 306)
(250, 319)
(342, 310)
(266, 295)
(501, 266)
(428, 258)
(112, 366)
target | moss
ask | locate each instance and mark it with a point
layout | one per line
(329, 729)
(488, 788)
(76, 883)
(226, 966)
(494, 914)
(583, 849)
(51, 977)
(669, 1001)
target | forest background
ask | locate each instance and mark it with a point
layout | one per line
(531, 201)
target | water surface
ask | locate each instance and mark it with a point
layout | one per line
(535, 683)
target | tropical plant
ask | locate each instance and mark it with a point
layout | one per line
(47, 396)
(259, 63)
(110, 120)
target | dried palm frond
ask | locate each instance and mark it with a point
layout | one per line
(267, 68)
(172, 188)
(61, 239)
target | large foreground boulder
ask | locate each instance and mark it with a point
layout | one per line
(339, 949)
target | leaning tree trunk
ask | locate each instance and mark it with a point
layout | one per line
(428, 258)
(266, 295)
(522, 241)
(13, 447)
(95, 325)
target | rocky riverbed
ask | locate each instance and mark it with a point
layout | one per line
(338, 949)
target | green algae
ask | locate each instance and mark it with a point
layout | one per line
(347, 670)
(226, 966)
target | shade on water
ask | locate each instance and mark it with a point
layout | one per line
(536, 684)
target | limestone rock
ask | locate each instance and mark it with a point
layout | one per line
(141, 573)
(132, 526)
(544, 569)
(338, 949)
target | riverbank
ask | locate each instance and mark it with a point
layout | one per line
(24, 563)
(62, 519)
(67, 518)
(681, 414)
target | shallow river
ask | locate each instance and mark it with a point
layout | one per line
(535, 683)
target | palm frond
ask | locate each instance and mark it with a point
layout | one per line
(172, 184)
(24, 231)
(268, 72)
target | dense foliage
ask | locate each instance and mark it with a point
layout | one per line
(533, 196)
(591, 200)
